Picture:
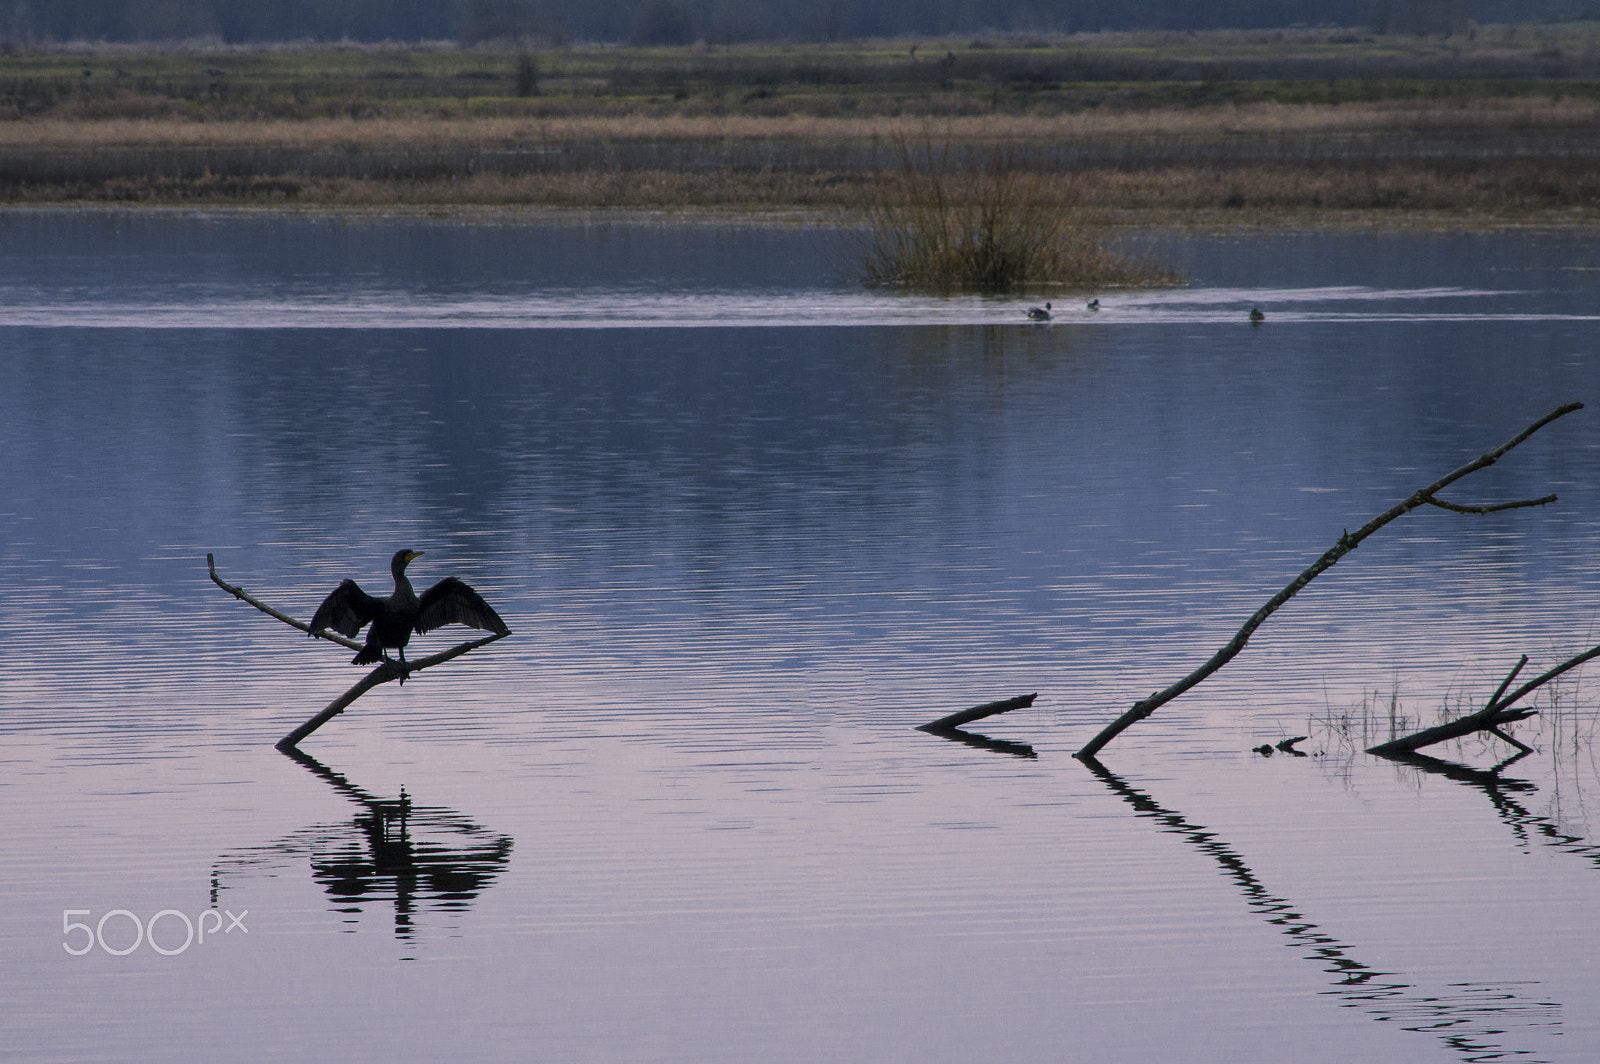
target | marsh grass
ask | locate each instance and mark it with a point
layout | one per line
(1546, 796)
(1100, 200)
(446, 126)
(1379, 718)
(1565, 725)
(943, 224)
(1457, 133)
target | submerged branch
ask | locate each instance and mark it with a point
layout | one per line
(988, 709)
(951, 727)
(384, 672)
(1348, 541)
(1491, 717)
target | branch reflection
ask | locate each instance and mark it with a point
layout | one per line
(982, 742)
(1466, 1017)
(1527, 827)
(419, 859)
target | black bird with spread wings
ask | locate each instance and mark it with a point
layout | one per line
(393, 619)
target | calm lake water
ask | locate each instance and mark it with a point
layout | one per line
(750, 525)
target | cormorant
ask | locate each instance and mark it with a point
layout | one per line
(393, 619)
(1039, 313)
(1256, 317)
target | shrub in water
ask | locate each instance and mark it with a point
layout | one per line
(937, 224)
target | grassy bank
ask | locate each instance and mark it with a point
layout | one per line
(1500, 124)
(1482, 170)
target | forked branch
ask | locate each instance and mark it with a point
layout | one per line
(388, 670)
(383, 673)
(1496, 712)
(1347, 542)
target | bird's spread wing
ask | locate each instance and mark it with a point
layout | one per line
(452, 602)
(346, 610)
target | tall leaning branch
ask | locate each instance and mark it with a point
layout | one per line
(1348, 541)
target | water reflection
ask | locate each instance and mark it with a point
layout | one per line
(1467, 1017)
(982, 742)
(1489, 780)
(953, 727)
(777, 534)
(420, 859)
(1526, 826)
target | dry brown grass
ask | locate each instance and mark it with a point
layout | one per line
(1094, 198)
(451, 131)
(648, 190)
(938, 225)
(1498, 123)
(1502, 158)
(1489, 192)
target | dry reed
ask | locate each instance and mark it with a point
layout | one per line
(1213, 195)
(1227, 125)
(1522, 116)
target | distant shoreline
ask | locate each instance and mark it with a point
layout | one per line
(1497, 127)
(1391, 167)
(1503, 190)
(1233, 221)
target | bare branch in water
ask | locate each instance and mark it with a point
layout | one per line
(383, 673)
(1348, 541)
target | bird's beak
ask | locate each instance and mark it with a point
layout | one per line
(413, 554)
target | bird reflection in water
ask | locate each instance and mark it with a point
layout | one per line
(420, 859)
(1468, 1018)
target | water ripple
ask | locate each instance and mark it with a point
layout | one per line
(625, 309)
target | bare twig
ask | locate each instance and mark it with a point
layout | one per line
(1348, 542)
(241, 593)
(1521, 746)
(1545, 677)
(1445, 504)
(1512, 675)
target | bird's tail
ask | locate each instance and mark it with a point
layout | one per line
(370, 655)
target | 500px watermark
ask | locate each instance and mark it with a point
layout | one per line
(194, 931)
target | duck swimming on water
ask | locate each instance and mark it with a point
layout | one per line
(1256, 317)
(1039, 313)
(1094, 304)
(394, 618)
